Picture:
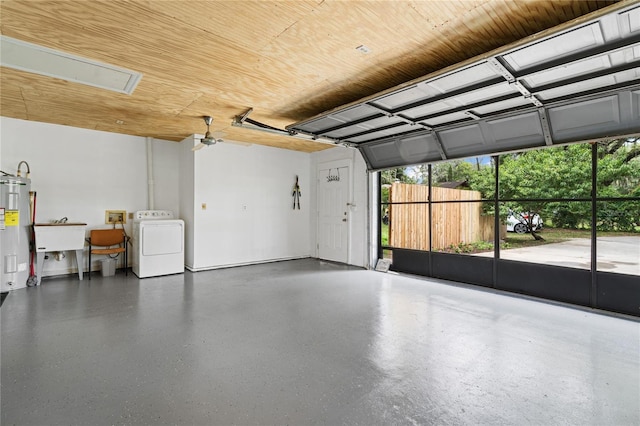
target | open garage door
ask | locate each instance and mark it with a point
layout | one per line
(574, 83)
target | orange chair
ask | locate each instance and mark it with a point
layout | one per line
(111, 241)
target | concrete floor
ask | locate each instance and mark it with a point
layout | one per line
(620, 255)
(308, 342)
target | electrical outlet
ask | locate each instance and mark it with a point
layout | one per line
(115, 216)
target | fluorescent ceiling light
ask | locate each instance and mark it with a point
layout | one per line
(36, 59)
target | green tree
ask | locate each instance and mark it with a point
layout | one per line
(451, 171)
(618, 175)
(400, 174)
(565, 172)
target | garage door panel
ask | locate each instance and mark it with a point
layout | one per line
(423, 148)
(414, 149)
(462, 140)
(406, 96)
(509, 104)
(630, 20)
(364, 126)
(579, 39)
(517, 132)
(465, 77)
(584, 118)
(577, 83)
(572, 70)
(376, 134)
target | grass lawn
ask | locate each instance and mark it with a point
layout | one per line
(513, 240)
(550, 235)
(384, 233)
(554, 235)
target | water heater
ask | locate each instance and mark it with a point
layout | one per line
(15, 231)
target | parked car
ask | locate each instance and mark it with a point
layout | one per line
(519, 222)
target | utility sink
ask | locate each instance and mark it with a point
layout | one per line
(59, 237)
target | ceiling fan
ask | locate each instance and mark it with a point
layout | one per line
(209, 138)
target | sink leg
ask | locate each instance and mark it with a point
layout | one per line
(39, 265)
(79, 262)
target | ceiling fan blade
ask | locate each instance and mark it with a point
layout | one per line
(197, 147)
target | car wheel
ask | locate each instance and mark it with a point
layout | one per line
(520, 228)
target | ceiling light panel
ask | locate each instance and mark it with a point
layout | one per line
(41, 60)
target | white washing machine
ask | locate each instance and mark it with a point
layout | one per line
(158, 243)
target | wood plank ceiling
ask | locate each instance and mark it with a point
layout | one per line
(287, 60)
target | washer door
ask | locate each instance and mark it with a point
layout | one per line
(161, 238)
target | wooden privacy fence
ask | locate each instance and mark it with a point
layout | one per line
(453, 223)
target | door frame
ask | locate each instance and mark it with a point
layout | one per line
(347, 162)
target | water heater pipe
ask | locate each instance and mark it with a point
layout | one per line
(19, 172)
(150, 184)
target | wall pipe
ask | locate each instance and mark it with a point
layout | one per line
(150, 184)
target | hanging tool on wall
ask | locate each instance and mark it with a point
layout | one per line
(296, 194)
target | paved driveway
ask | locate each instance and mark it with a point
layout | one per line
(615, 254)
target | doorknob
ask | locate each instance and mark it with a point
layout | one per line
(344, 220)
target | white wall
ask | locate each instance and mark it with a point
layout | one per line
(248, 195)
(187, 203)
(166, 175)
(80, 173)
(359, 250)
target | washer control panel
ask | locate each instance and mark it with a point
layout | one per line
(153, 214)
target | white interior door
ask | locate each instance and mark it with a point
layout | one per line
(333, 213)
